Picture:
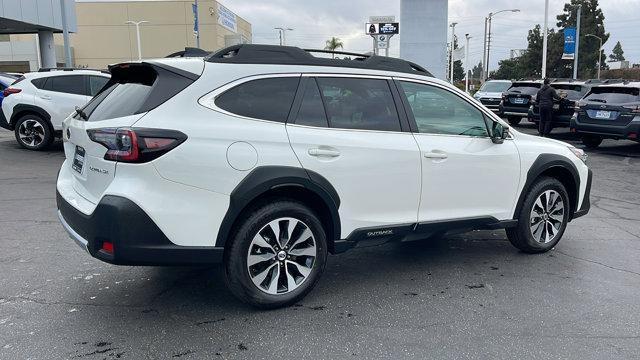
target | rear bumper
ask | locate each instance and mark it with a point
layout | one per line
(3, 121)
(136, 239)
(513, 111)
(631, 131)
(586, 202)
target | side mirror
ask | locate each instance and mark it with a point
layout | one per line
(499, 132)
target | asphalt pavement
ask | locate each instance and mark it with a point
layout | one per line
(471, 296)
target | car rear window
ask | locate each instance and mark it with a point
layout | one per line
(574, 92)
(614, 95)
(525, 88)
(266, 99)
(133, 89)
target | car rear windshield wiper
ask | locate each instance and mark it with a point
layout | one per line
(81, 113)
(599, 100)
(517, 91)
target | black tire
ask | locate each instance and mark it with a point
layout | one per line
(591, 141)
(237, 275)
(522, 236)
(514, 120)
(33, 132)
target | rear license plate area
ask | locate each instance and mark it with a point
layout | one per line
(78, 159)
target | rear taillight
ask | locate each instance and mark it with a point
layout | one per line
(136, 145)
(8, 91)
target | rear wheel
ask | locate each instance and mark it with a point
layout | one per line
(33, 132)
(277, 255)
(514, 120)
(543, 217)
(591, 141)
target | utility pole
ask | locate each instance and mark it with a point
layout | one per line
(599, 52)
(575, 58)
(137, 24)
(544, 39)
(453, 39)
(65, 34)
(281, 31)
(466, 63)
(484, 52)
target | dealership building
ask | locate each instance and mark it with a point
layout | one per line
(101, 35)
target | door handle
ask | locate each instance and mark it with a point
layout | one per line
(436, 155)
(45, 97)
(324, 152)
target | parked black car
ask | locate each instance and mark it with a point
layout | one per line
(517, 100)
(608, 111)
(571, 92)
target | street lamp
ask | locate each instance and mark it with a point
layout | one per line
(599, 52)
(137, 24)
(466, 63)
(487, 39)
(281, 31)
(453, 39)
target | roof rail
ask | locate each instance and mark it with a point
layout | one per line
(70, 69)
(289, 55)
(189, 52)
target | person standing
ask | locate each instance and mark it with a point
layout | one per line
(545, 98)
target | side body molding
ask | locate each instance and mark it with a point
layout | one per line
(265, 178)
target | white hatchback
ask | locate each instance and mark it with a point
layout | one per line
(267, 158)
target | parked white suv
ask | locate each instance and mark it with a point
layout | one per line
(268, 158)
(36, 104)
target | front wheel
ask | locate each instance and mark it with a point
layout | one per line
(277, 255)
(514, 120)
(591, 141)
(543, 217)
(33, 132)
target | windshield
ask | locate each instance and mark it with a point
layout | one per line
(574, 92)
(614, 95)
(495, 86)
(525, 88)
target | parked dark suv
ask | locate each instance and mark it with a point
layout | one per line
(571, 92)
(608, 111)
(517, 100)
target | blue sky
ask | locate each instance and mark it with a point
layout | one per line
(315, 21)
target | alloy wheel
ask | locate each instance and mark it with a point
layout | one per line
(547, 216)
(281, 256)
(31, 133)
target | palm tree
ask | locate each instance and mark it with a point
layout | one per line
(333, 44)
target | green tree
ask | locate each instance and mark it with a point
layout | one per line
(617, 54)
(333, 44)
(476, 72)
(458, 70)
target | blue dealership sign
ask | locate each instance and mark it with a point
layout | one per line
(569, 52)
(196, 26)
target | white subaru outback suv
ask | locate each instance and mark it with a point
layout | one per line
(268, 158)
(36, 104)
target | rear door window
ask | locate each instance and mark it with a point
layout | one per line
(356, 103)
(266, 99)
(70, 84)
(613, 95)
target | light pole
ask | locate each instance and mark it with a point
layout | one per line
(484, 52)
(466, 63)
(489, 18)
(137, 24)
(65, 34)
(453, 39)
(599, 52)
(575, 58)
(544, 39)
(282, 33)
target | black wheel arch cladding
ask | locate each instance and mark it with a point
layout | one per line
(21, 110)
(552, 163)
(265, 179)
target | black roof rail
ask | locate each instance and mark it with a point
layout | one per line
(189, 52)
(289, 55)
(70, 69)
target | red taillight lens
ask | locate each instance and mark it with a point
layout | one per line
(107, 246)
(8, 91)
(632, 135)
(136, 145)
